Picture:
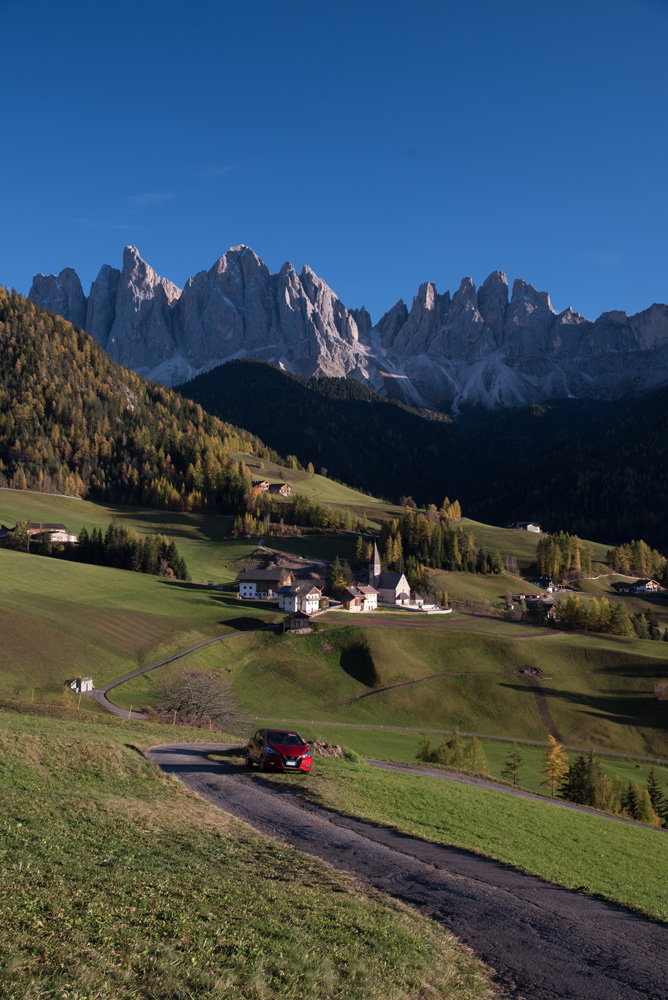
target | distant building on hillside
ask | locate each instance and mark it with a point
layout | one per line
(297, 623)
(57, 532)
(262, 584)
(82, 685)
(392, 587)
(281, 488)
(300, 597)
(526, 526)
(358, 598)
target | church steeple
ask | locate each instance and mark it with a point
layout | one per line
(374, 567)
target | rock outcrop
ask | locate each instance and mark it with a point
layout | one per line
(478, 346)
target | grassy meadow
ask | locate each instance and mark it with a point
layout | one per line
(626, 866)
(141, 889)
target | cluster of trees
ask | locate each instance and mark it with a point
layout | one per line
(264, 516)
(74, 422)
(563, 555)
(585, 782)
(602, 616)
(460, 754)
(639, 558)
(427, 540)
(119, 547)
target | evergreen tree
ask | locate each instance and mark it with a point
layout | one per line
(657, 798)
(425, 751)
(512, 764)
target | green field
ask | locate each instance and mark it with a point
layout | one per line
(522, 544)
(600, 693)
(322, 490)
(200, 538)
(141, 889)
(626, 862)
(62, 619)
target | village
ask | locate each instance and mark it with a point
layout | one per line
(298, 586)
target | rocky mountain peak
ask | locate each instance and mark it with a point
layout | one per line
(62, 294)
(477, 346)
(493, 300)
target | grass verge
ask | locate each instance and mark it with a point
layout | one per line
(621, 862)
(116, 883)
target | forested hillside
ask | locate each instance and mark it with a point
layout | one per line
(593, 468)
(72, 421)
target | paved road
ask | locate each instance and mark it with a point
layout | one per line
(545, 943)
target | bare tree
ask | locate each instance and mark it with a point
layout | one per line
(200, 698)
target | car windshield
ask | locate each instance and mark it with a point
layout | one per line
(285, 739)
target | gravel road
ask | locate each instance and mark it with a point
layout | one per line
(545, 943)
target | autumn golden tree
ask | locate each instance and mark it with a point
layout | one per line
(555, 760)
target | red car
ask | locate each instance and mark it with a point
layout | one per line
(278, 750)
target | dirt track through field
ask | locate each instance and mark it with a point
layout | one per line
(545, 943)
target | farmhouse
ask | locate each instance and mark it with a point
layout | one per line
(281, 488)
(392, 588)
(526, 526)
(262, 584)
(303, 597)
(645, 587)
(57, 532)
(260, 484)
(359, 598)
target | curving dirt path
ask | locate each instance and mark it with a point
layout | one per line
(545, 943)
(100, 694)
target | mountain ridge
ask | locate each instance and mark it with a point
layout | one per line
(478, 346)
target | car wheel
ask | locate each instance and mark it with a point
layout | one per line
(263, 766)
(249, 760)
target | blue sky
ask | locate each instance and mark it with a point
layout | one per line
(384, 144)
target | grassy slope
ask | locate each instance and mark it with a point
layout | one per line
(600, 693)
(141, 889)
(62, 619)
(627, 866)
(520, 543)
(322, 490)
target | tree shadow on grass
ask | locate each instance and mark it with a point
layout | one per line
(357, 661)
(621, 707)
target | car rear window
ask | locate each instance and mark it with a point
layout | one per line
(287, 739)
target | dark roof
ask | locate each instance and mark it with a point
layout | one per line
(299, 588)
(390, 581)
(640, 583)
(298, 614)
(262, 575)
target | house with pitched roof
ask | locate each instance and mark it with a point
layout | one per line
(392, 588)
(358, 598)
(302, 596)
(262, 584)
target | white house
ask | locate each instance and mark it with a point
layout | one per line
(359, 598)
(645, 587)
(527, 526)
(300, 597)
(262, 584)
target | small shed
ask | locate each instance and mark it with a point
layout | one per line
(82, 685)
(298, 623)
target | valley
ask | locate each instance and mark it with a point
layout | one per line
(381, 684)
